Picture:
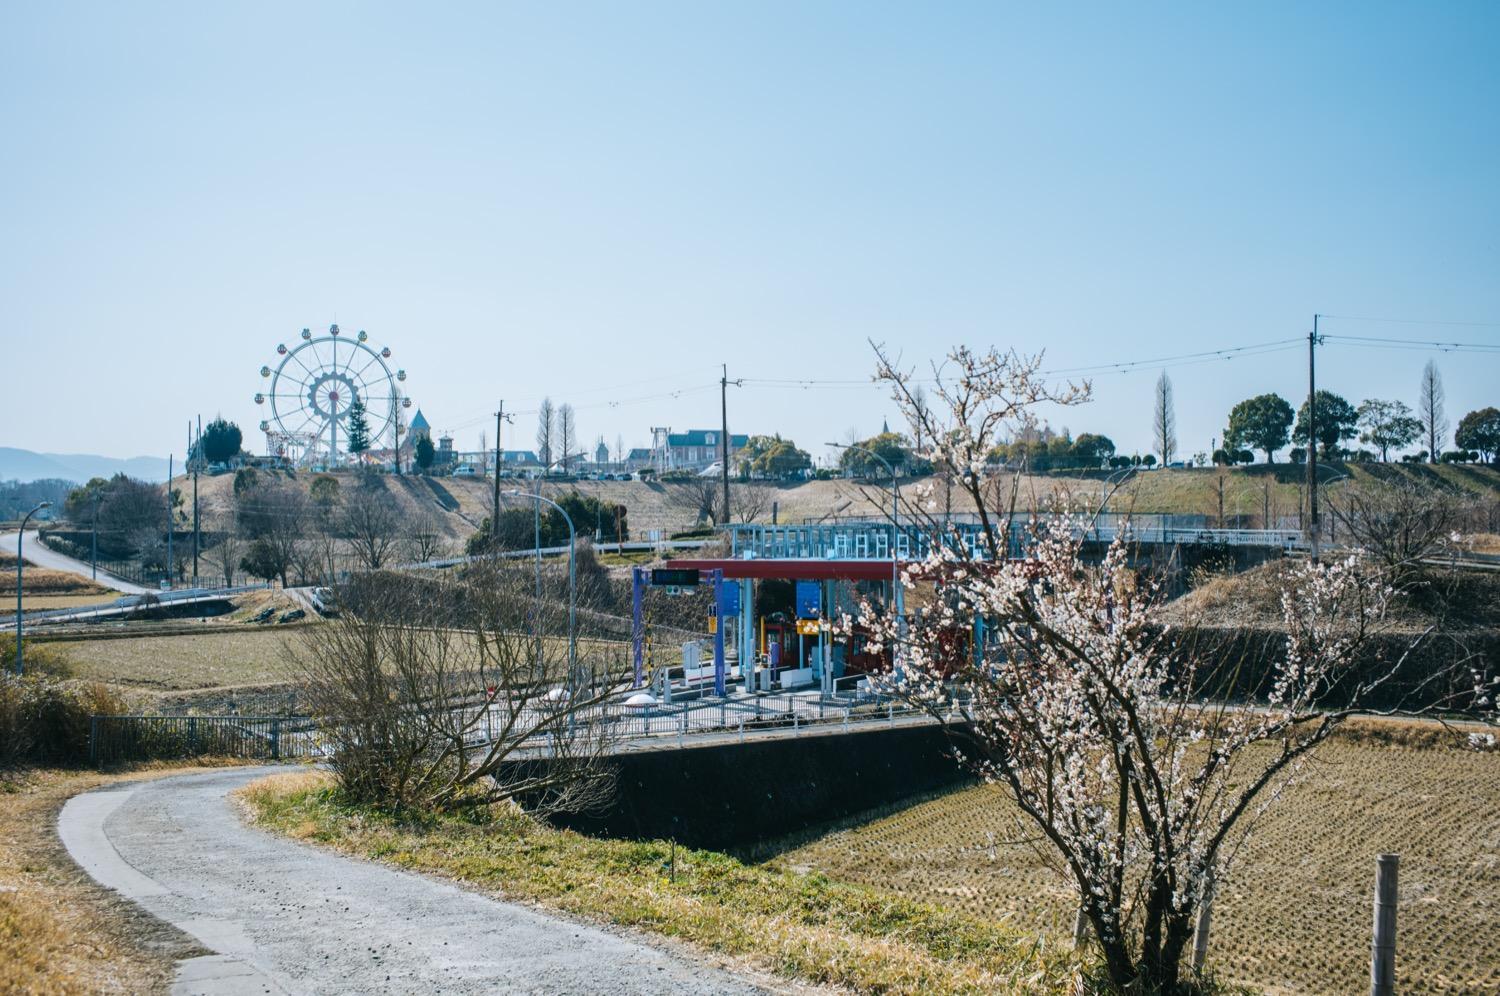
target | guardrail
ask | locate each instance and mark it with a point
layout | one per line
(114, 739)
(127, 604)
(552, 551)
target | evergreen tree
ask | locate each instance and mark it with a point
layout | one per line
(359, 428)
(424, 453)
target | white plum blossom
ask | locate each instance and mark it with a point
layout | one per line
(1127, 740)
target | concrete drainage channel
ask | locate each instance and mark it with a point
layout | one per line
(280, 917)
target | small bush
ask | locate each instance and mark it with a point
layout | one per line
(46, 721)
(37, 658)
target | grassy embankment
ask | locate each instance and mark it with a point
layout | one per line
(49, 589)
(1293, 916)
(801, 926)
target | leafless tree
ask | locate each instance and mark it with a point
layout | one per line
(225, 554)
(620, 451)
(752, 501)
(277, 515)
(444, 697)
(546, 428)
(1399, 523)
(700, 497)
(327, 551)
(567, 434)
(1164, 419)
(425, 539)
(1430, 410)
(372, 525)
(919, 405)
(309, 561)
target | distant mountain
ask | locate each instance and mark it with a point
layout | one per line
(24, 465)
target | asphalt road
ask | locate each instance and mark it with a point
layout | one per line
(39, 555)
(286, 918)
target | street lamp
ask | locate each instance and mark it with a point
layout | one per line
(572, 580)
(20, 578)
(895, 523)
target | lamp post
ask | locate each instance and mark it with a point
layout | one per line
(895, 523)
(20, 578)
(572, 580)
(1327, 483)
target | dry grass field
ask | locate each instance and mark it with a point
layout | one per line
(67, 601)
(1294, 915)
(60, 932)
(215, 658)
(42, 580)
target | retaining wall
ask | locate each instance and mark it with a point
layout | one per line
(732, 795)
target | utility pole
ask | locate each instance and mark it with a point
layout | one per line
(397, 430)
(94, 541)
(169, 519)
(1312, 441)
(196, 463)
(724, 437)
(500, 417)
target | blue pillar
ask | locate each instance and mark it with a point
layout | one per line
(637, 630)
(719, 623)
(747, 633)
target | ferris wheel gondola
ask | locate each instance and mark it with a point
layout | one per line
(316, 383)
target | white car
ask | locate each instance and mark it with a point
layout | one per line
(466, 470)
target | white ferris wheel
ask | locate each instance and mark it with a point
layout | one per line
(316, 383)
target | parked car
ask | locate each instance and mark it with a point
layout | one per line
(466, 470)
(324, 600)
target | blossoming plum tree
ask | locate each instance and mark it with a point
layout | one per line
(1068, 683)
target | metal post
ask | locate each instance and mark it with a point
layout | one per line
(196, 464)
(1080, 928)
(1383, 945)
(21, 578)
(169, 519)
(495, 515)
(724, 439)
(572, 583)
(1312, 443)
(94, 541)
(637, 630)
(719, 632)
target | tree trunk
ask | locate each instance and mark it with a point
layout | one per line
(1117, 960)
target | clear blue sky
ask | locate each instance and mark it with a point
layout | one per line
(601, 202)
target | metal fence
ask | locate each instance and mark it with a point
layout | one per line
(875, 540)
(152, 738)
(114, 739)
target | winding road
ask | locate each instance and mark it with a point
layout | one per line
(41, 556)
(282, 917)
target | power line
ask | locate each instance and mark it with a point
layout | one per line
(1414, 321)
(1375, 342)
(1118, 366)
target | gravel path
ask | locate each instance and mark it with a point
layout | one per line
(286, 918)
